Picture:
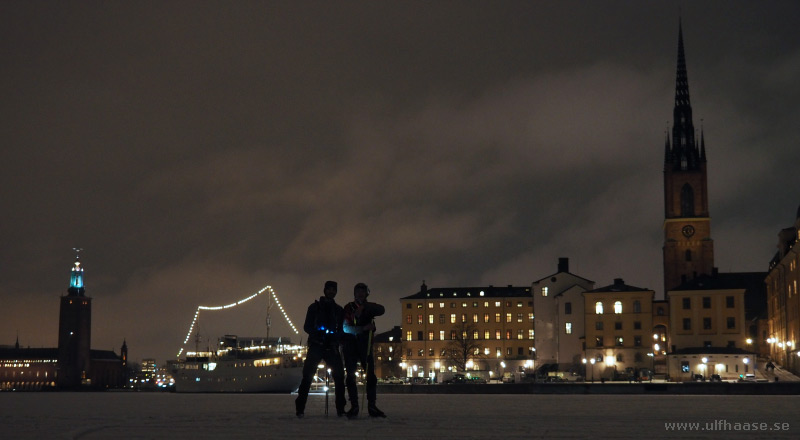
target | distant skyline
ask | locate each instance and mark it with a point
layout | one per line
(198, 151)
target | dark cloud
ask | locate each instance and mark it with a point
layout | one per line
(199, 151)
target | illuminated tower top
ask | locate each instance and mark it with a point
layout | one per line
(76, 287)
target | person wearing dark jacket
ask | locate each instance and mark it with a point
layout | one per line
(324, 327)
(358, 328)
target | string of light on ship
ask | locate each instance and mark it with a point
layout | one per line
(228, 306)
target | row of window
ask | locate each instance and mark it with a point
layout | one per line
(618, 341)
(474, 304)
(637, 325)
(686, 303)
(475, 318)
(598, 307)
(477, 351)
(707, 323)
(637, 357)
(476, 335)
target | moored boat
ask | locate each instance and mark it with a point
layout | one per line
(241, 365)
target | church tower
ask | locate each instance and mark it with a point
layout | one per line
(688, 247)
(74, 331)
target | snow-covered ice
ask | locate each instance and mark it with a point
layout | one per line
(122, 415)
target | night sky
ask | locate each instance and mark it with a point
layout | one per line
(199, 151)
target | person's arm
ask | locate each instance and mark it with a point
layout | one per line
(348, 324)
(308, 326)
(374, 309)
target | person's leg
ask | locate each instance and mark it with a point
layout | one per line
(351, 365)
(372, 388)
(309, 368)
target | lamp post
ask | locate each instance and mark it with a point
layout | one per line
(592, 361)
(584, 369)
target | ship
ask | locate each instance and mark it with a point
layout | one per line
(241, 365)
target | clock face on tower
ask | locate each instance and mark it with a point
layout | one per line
(688, 231)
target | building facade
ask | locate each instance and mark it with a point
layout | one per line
(707, 321)
(558, 307)
(491, 327)
(783, 302)
(388, 353)
(619, 328)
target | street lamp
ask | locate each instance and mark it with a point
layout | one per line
(584, 368)
(592, 361)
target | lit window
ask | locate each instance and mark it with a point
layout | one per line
(441, 335)
(618, 307)
(530, 333)
(568, 328)
(453, 318)
(544, 291)
(598, 308)
(408, 335)
(430, 319)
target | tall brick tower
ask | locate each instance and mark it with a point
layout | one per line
(74, 331)
(688, 247)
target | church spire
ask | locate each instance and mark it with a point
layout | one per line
(682, 78)
(685, 154)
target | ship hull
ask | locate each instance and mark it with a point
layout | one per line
(237, 376)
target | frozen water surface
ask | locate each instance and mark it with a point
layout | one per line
(119, 415)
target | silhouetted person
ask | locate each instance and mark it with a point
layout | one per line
(324, 327)
(357, 347)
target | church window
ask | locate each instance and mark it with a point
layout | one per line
(687, 201)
